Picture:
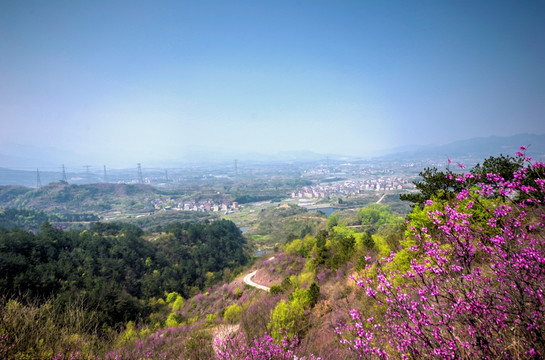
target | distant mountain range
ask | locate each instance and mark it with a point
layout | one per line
(21, 157)
(475, 148)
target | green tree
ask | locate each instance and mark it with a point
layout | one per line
(434, 183)
(313, 294)
(375, 216)
(173, 320)
(505, 166)
(232, 313)
(287, 318)
(367, 241)
(332, 221)
(178, 303)
(444, 186)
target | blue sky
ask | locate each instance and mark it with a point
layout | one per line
(114, 82)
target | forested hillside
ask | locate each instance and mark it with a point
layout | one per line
(63, 197)
(112, 269)
(76, 206)
(32, 219)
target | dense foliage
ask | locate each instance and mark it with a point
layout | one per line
(272, 190)
(244, 199)
(112, 269)
(285, 222)
(31, 219)
(26, 219)
(443, 185)
(63, 198)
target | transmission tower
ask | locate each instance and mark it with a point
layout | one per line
(236, 167)
(38, 181)
(64, 174)
(166, 175)
(140, 177)
(87, 171)
(105, 176)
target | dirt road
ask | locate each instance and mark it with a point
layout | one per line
(380, 200)
(248, 280)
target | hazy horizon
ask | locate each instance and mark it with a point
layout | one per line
(53, 160)
(127, 82)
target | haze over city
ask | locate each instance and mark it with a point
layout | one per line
(126, 82)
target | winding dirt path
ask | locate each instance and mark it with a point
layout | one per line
(248, 280)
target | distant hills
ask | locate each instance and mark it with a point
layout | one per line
(470, 150)
(475, 148)
(64, 198)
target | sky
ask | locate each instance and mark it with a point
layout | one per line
(123, 82)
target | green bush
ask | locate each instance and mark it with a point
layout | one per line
(276, 289)
(210, 318)
(232, 313)
(173, 320)
(178, 303)
(172, 296)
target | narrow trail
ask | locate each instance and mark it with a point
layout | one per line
(248, 280)
(380, 200)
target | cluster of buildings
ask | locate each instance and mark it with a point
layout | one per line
(351, 187)
(352, 170)
(193, 205)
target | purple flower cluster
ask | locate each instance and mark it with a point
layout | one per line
(163, 343)
(265, 348)
(5, 346)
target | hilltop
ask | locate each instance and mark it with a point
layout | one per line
(60, 195)
(68, 202)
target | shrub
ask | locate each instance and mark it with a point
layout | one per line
(256, 316)
(288, 318)
(262, 348)
(210, 318)
(313, 293)
(173, 320)
(178, 304)
(232, 313)
(172, 296)
(198, 346)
